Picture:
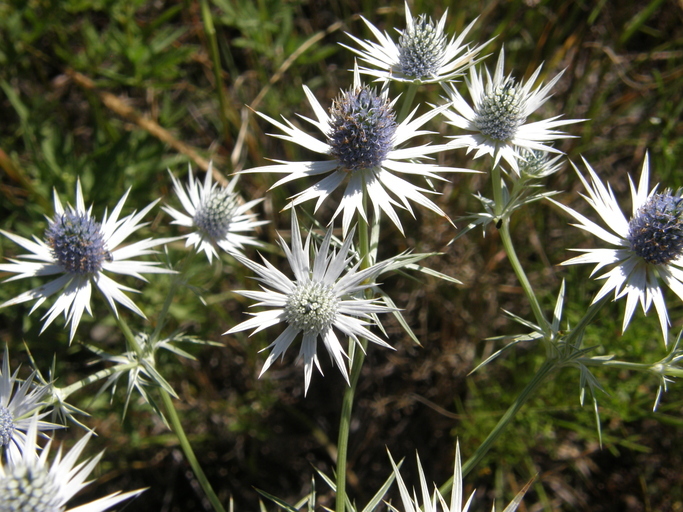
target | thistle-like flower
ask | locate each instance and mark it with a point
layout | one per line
(80, 250)
(429, 503)
(499, 115)
(538, 164)
(17, 409)
(423, 54)
(218, 214)
(646, 248)
(363, 139)
(32, 484)
(316, 302)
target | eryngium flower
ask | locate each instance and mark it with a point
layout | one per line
(363, 138)
(218, 215)
(499, 115)
(31, 484)
(80, 250)
(646, 248)
(538, 164)
(316, 302)
(423, 53)
(17, 409)
(429, 503)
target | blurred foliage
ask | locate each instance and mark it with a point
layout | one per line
(624, 74)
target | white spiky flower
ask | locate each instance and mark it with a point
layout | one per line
(17, 409)
(538, 164)
(647, 248)
(363, 146)
(318, 301)
(423, 54)
(80, 250)
(498, 116)
(32, 484)
(218, 215)
(429, 503)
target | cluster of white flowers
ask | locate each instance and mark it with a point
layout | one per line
(366, 148)
(366, 151)
(31, 483)
(28, 481)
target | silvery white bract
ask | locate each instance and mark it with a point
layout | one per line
(538, 164)
(423, 54)
(498, 116)
(32, 484)
(318, 301)
(363, 139)
(430, 503)
(80, 250)
(218, 215)
(17, 407)
(646, 248)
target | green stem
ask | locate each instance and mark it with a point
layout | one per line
(521, 276)
(102, 374)
(539, 378)
(189, 453)
(504, 219)
(175, 423)
(550, 365)
(364, 244)
(178, 279)
(497, 184)
(357, 355)
(575, 337)
(407, 101)
(624, 365)
(210, 32)
(572, 340)
(128, 334)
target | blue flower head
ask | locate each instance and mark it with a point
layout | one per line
(656, 230)
(363, 125)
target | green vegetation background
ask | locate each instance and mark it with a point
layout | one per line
(117, 91)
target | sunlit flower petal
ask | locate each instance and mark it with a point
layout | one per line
(82, 250)
(32, 484)
(498, 116)
(318, 300)
(362, 142)
(17, 408)
(435, 501)
(648, 247)
(218, 215)
(423, 53)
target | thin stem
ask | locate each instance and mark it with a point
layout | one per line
(522, 277)
(175, 423)
(210, 32)
(547, 368)
(504, 219)
(189, 453)
(128, 334)
(345, 424)
(364, 244)
(624, 365)
(575, 337)
(539, 378)
(178, 279)
(497, 184)
(407, 101)
(102, 374)
(357, 359)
